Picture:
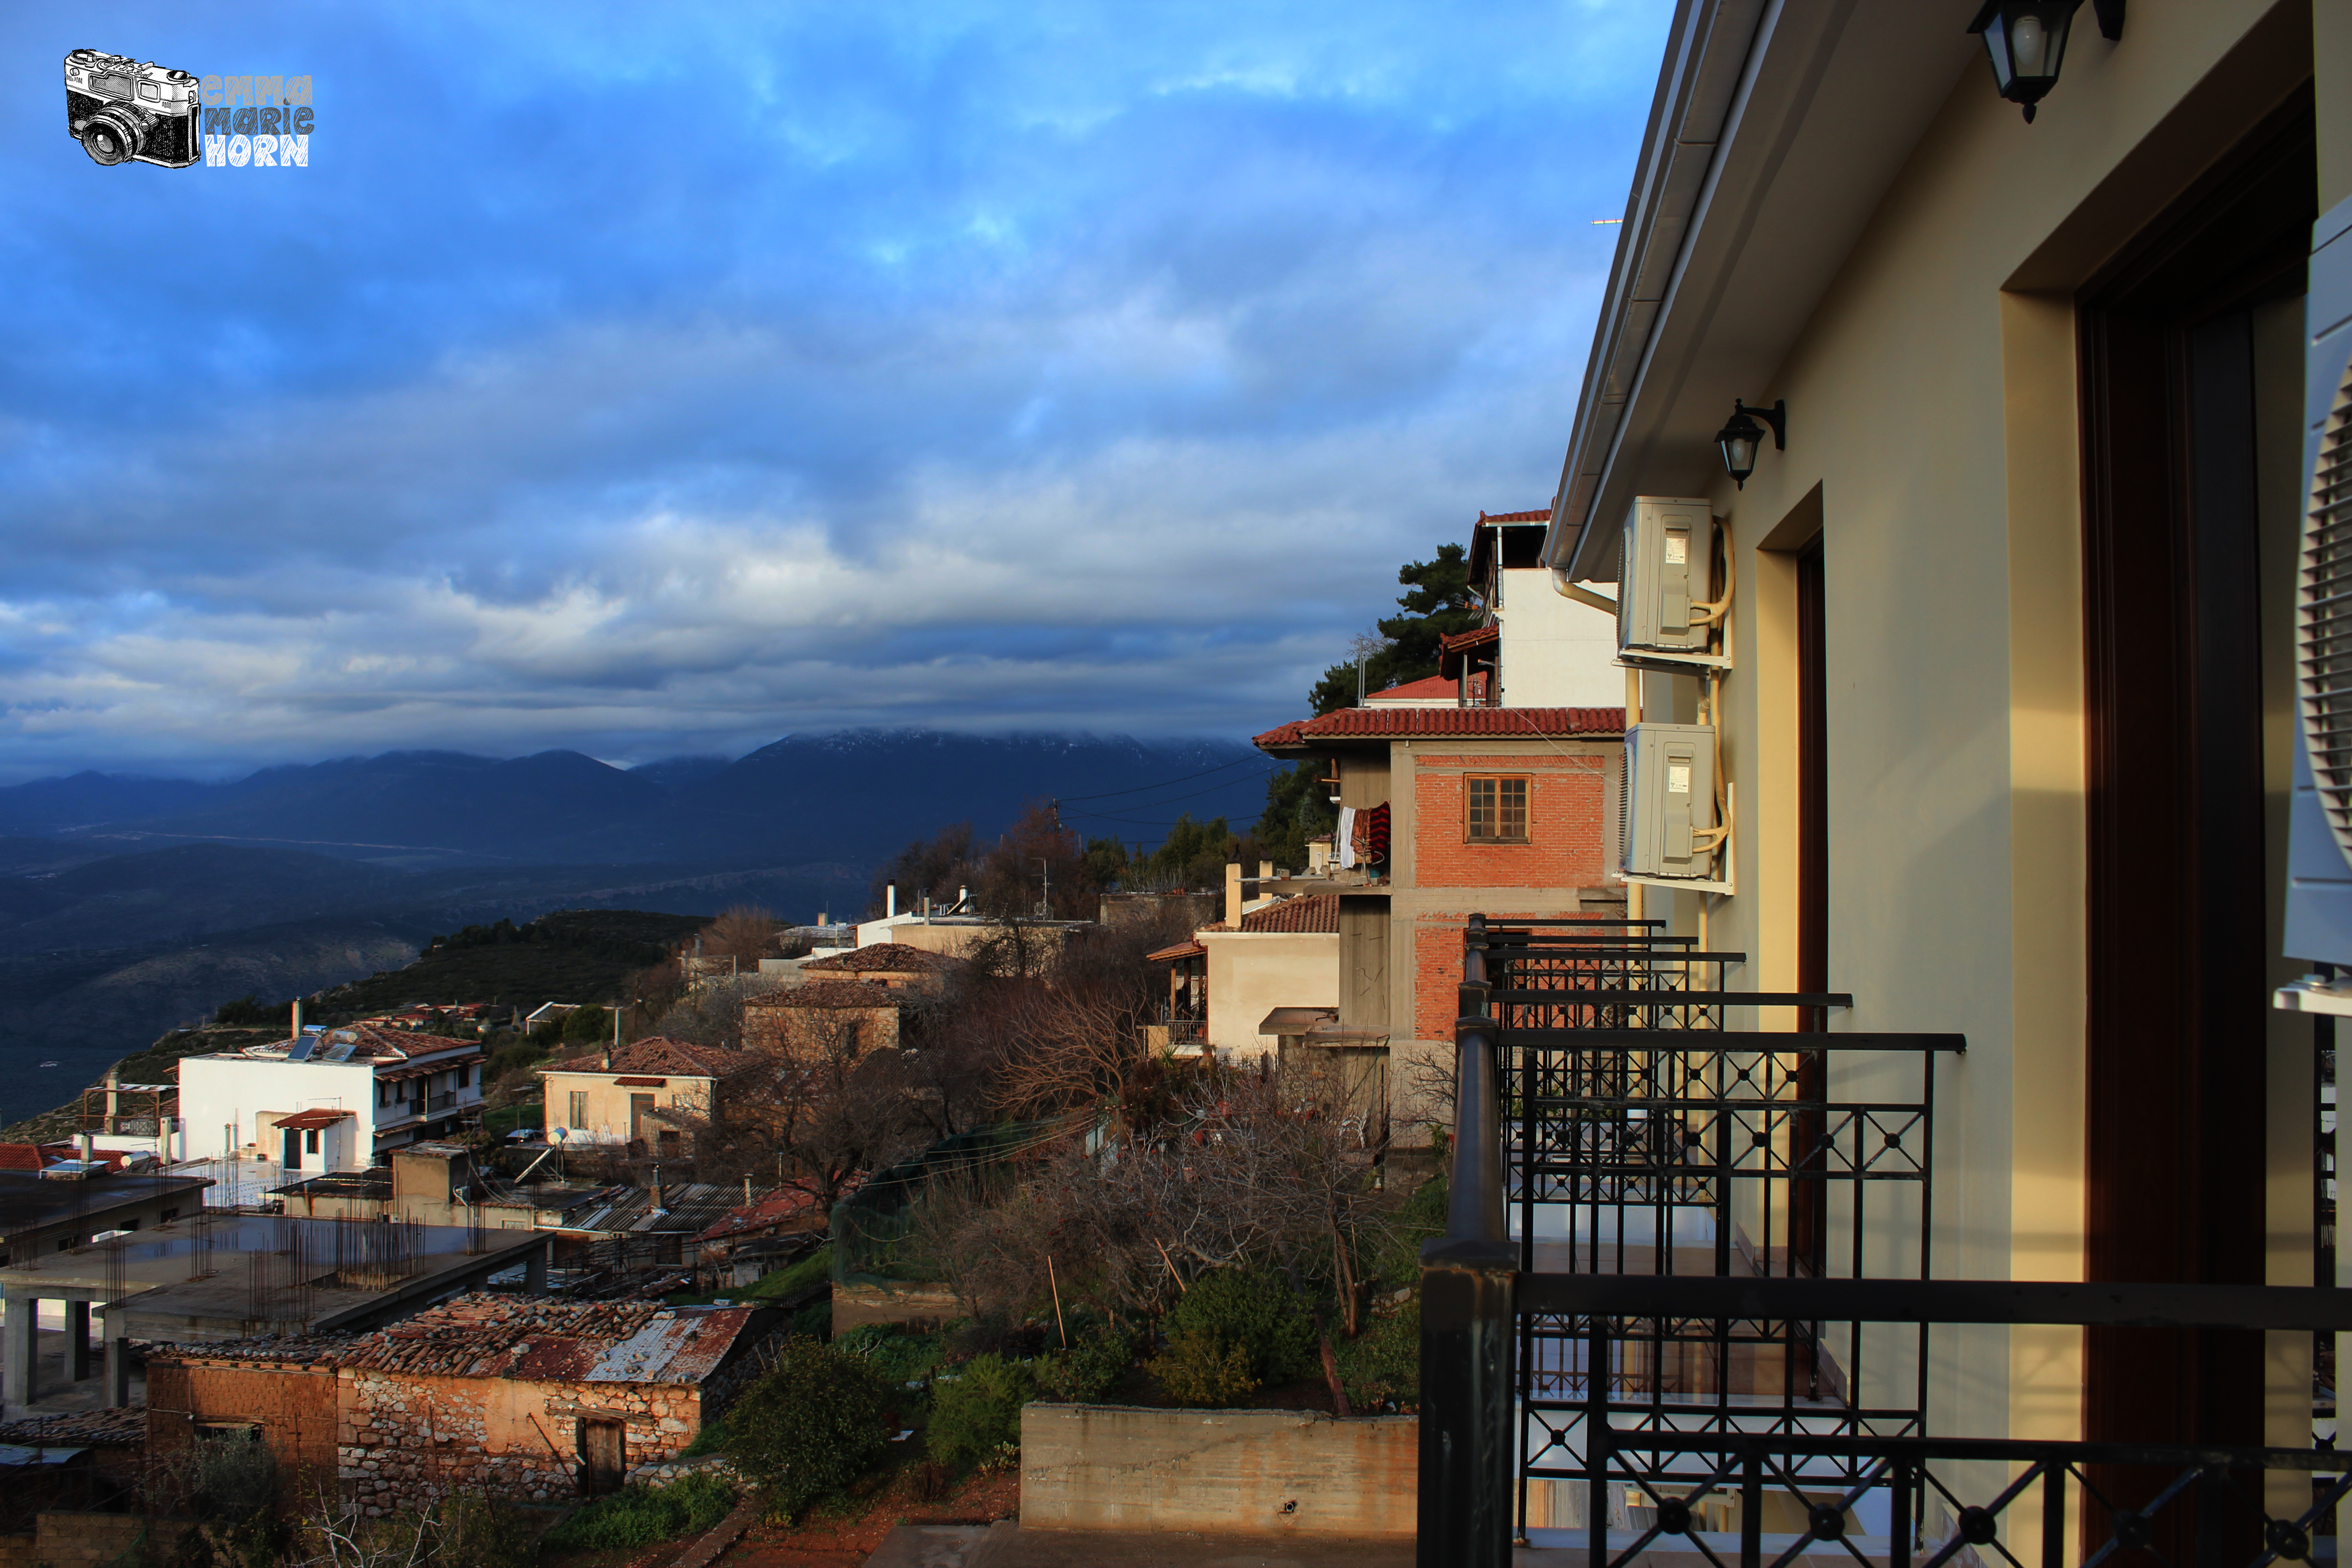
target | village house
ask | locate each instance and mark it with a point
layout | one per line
(1226, 980)
(897, 964)
(522, 1399)
(820, 1016)
(328, 1099)
(1533, 647)
(648, 1095)
(1450, 810)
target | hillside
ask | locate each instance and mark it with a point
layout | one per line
(852, 796)
(572, 955)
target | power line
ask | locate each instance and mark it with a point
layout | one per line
(1163, 784)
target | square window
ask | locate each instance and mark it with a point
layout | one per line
(311, 1141)
(1497, 809)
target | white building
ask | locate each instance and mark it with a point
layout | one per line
(1549, 651)
(333, 1099)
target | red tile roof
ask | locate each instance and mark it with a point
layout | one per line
(829, 993)
(305, 1120)
(1435, 688)
(1541, 514)
(1314, 912)
(891, 957)
(20, 1157)
(785, 1206)
(1408, 723)
(1181, 950)
(657, 1056)
(1476, 636)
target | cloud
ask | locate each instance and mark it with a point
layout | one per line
(668, 384)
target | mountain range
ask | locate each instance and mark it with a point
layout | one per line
(130, 906)
(851, 797)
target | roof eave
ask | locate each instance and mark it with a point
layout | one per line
(1776, 131)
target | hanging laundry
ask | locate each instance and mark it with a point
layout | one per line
(1344, 841)
(1373, 823)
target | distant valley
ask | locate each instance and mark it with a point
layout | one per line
(128, 906)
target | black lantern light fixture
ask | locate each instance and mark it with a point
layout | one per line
(2027, 41)
(1741, 436)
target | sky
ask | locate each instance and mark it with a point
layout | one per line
(663, 380)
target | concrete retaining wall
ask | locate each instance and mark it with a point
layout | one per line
(855, 1305)
(1113, 1467)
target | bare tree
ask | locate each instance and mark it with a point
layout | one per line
(745, 933)
(825, 1114)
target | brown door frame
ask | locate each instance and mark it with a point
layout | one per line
(2172, 687)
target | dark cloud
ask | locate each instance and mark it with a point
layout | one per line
(653, 381)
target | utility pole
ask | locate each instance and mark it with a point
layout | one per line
(1046, 900)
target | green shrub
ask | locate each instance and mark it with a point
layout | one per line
(977, 1413)
(511, 1059)
(1089, 1368)
(1382, 1365)
(1196, 1369)
(640, 1516)
(810, 1426)
(900, 1356)
(1397, 1263)
(587, 1025)
(1253, 1309)
(813, 1321)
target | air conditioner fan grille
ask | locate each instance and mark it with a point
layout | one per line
(2324, 617)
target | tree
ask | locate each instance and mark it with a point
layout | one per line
(745, 934)
(1105, 862)
(940, 867)
(1296, 808)
(1013, 882)
(1437, 604)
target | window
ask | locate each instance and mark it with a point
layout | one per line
(311, 1141)
(1498, 809)
(465, 1076)
(579, 1107)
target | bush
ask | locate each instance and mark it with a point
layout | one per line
(1381, 1366)
(247, 1012)
(1088, 1369)
(1255, 1311)
(810, 1426)
(485, 1534)
(1196, 1369)
(587, 1025)
(900, 1356)
(640, 1516)
(510, 1059)
(978, 1415)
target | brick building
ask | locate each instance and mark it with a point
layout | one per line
(896, 965)
(649, 1094)
(523, 1399)
(1506, 811)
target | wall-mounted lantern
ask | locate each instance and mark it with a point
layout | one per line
(2027, 41)
(1741, 436)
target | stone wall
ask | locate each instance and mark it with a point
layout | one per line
(853, 1305)
(1101, 1467)
(406, 1439)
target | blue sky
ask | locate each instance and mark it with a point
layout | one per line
(666, 379)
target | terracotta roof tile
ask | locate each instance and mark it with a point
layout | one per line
(1404, 723)
(895, 957)
(829, 993)
(1313, 912)
(657, 1056)
(1541, 514)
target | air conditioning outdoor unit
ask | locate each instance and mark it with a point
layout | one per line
(1668, 803)
(1667, 612)
(2319, 844)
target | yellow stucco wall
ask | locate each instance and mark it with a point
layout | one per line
(1252, 973)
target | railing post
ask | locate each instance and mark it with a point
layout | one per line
(1596, 1441)
(2053, 1515)
(1751, 1507)
(1466, 1427)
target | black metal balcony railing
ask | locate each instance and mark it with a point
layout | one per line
(1694, 1365)
(441, 1102)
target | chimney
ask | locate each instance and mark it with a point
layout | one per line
(657, 1192)
(88, 1150)
(297, 1020)
(1264, 874)
(1234, 894)
(890, 900)
(608, 1059)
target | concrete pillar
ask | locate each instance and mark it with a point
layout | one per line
(117, 1369)
(19, 1329)
(77, 1340)
(534, 1270)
